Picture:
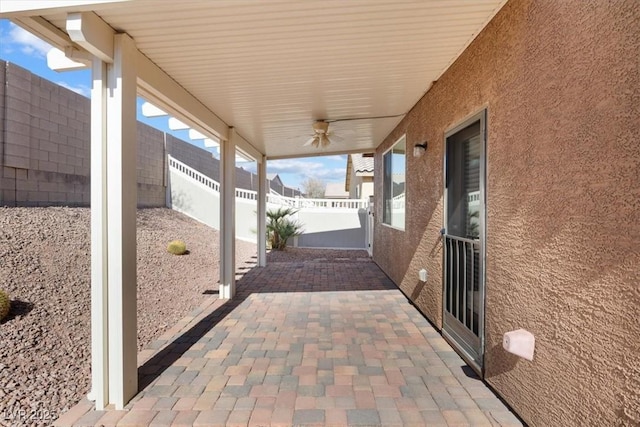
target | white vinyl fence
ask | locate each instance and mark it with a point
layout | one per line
(326, 223)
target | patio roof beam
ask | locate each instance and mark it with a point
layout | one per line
(40, 7)
(43, 29)
(89, 31)
(154, 84)
(160, 89)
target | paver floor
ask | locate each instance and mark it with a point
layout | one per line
(312, 343)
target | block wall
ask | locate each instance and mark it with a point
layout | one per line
(45, 152)
(45, 147)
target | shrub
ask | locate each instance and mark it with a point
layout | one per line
(281, 228)
(5, 304)
(177, 247)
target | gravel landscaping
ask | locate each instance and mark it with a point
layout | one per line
(45, 268)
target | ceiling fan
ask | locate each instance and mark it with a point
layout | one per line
(322, 137)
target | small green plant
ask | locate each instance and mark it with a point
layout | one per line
(5, 304)
(177, 247)
(280, 227)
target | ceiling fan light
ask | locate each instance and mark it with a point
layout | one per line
(320, 127)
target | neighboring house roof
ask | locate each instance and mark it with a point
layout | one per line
(335, 190)
(360, 164)
(273, 177)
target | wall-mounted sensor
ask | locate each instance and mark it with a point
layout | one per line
(423, 275)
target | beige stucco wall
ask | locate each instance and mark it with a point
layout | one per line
(561, 84)
(366, 187)
(363, 184)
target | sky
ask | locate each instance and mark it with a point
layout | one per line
(26, 50)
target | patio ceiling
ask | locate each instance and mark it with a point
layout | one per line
(270, 69)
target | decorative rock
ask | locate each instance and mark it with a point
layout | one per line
(46, 341)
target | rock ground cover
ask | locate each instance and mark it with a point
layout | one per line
(45, 268)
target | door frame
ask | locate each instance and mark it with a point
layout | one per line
(481, 116)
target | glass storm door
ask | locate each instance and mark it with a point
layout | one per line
(463, 239)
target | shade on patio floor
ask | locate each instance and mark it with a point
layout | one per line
(310, 343)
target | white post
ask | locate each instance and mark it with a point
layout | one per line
(99, 233)
(121, 212)
(262, 212)
(228, 216)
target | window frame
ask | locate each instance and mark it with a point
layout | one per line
(384, 186)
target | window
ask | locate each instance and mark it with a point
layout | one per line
(393, 191)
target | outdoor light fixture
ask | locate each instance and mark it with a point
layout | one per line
(419, 149)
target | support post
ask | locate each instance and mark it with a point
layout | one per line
(121, 211)
(228, 216)
(99, 280)
(114, 367)
(262, 212)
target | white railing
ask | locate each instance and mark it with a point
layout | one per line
(299, 202)
(246, 194)
(193, 174)
(398, 201)
(294, 202)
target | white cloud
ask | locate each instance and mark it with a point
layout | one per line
(293, 166)
(337, 158)
(306, 169)
(79, 89)
(302, 169)
(25, 41)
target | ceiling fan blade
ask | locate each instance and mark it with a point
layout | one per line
(311, 141)
(325, 141)
(336, 138)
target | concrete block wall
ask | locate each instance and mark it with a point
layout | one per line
(151, 166)
(45, 147)
(45, 153)
(202, 161)
(7, 177)
(195, 157)
(246, 180)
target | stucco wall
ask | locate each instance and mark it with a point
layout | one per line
(360, 187)
(329, 228)
(561, 82)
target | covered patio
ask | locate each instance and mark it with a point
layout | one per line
(322, 342)
(504, 138)
(256, 76)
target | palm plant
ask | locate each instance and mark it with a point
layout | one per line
(280, 227)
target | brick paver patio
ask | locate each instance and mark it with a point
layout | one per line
(311, 343)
